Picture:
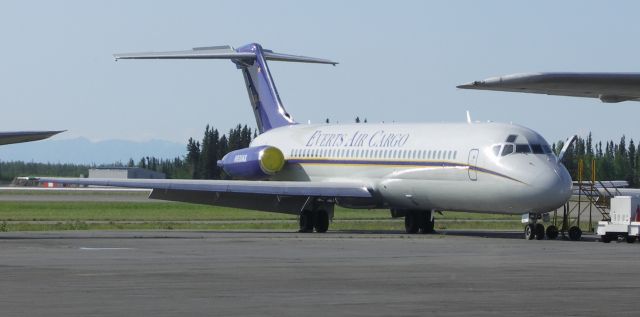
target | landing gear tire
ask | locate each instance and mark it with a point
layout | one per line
(552, 232)
(321, 223)
(529, 232)
(411, 222)
(539, 230)
(631, 239)
(575, 233)
(306, 221)
(427, 222)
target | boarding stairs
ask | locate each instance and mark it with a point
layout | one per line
(590, 200)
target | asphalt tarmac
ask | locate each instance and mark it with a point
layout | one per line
(453, 273)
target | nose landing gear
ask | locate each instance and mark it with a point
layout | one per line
(536, 230)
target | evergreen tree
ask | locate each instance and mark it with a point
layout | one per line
(633, 168)
(193, 158)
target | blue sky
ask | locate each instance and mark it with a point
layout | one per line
(399, 61)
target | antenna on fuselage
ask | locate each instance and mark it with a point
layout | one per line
(468, 117)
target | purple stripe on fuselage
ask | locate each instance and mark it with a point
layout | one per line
(400, 163)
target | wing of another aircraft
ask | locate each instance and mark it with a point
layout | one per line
(275, 196)
(608, 87)
(25, 136)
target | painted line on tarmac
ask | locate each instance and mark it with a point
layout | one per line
(103, 249)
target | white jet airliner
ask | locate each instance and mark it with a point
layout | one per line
(411, 169)
(608, 87)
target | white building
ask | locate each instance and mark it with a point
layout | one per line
(124, 173)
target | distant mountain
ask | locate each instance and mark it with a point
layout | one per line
(83, 151)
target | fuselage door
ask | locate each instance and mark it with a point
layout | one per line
(473, 160)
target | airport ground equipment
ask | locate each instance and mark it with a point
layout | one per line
(590, 200)
(624, 222)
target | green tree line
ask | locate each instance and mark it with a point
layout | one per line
(200, 161)
(613, 161)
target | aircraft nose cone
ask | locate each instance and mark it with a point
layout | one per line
(554, 186)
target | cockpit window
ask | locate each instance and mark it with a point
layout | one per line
(511, 138)
(537, 149)
(546, 149)
(523, 148)
(496, 150)
(507, 149)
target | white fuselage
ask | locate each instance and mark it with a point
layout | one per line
(476, 167)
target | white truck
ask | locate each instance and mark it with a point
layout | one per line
(625, 220)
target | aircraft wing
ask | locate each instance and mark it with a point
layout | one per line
(289, 188)
(25, 136)
(274, 196)
(608, 87)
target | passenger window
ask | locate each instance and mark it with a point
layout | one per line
(537, 149)
(507, 149)
(523, 148)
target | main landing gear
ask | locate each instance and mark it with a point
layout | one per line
(419, 221)
(536, 230)
(317, 219)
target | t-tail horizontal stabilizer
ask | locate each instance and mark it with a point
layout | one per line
(252, 60)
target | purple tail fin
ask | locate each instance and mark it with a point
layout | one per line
(265, 101)
(252, 60)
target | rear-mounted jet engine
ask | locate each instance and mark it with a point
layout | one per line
(253, 163)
